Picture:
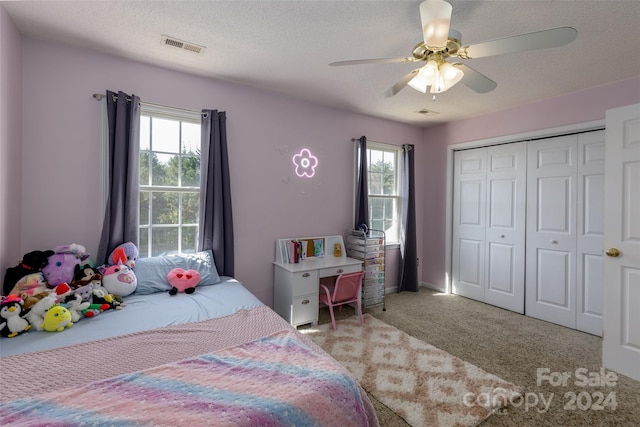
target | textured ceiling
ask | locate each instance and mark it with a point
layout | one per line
(286, 46)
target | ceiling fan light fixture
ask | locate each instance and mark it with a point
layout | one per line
(447, 78)
(439, 77)
(435, 16)
(427, 76)
(419, 83)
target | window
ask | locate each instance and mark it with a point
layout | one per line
(169, 181)
(384, 167)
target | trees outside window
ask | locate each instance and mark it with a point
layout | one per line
(169, 183)
(383, 168)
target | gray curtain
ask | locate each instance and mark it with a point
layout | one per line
(362, 186)
(121, 213)
(408, 251)
(216, 219)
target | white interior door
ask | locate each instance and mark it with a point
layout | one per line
(551, 230)
(621, 317)
(505, 231)
(590, 232)
(469, 225)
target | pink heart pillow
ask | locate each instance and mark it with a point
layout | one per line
(182, 280)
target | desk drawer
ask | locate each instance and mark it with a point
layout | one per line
(304, 283)
(305, 310)
(334, 271)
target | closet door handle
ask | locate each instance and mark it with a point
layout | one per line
(553, 241)
(613, 252)
(502, 236)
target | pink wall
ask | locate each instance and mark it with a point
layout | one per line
(10, 137)
(579, 107)
(62, 145)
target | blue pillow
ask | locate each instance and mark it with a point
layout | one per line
(151, 272)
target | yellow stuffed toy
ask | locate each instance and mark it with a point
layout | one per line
(56, 319)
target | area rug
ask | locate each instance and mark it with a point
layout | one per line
(421, 383)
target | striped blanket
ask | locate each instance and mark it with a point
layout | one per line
(272, 381)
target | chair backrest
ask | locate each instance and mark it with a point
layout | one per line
(347, 287)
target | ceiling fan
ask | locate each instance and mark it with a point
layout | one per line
(441, 42)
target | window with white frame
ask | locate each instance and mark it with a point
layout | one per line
(169, 181)
(384, 163)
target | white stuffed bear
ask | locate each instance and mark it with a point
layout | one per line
(74, 304)
(35, 316)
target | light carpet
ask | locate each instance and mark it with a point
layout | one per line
(421, 383)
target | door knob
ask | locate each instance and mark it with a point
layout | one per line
(613, 252)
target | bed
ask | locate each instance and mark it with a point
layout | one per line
(215, 357)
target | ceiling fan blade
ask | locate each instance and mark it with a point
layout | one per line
(371, 61)
(400, 84)
(554, 37)
(476, 80)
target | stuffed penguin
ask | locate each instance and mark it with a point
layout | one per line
(11, 317)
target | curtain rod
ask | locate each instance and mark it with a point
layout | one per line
(406, 146)
(101, 96)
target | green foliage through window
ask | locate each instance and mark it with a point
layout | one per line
(384, 189)
(169, 185)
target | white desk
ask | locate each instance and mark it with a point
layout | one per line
(295, 287)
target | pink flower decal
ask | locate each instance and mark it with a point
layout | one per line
(305, 163)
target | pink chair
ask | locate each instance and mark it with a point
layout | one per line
(345, 291)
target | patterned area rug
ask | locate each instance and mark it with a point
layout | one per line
(421, 383)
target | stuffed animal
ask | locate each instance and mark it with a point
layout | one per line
(57, 319)
(119, 280)
(60, 268)
(86, 279)
(32, 262)
(11, 317)
(102, 297)
(30, 284)
(29, 301)
(126, 253)
(95, 309)
(76, 250)
(85, 273)
(76, 306)
(38, 309)
(62, 291)
(183, 280)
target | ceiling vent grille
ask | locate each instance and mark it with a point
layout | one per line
(181, 44)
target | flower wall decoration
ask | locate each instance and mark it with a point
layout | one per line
(305, 163)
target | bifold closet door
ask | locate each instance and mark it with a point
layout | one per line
(590, 232)
(551, 230)
(469, 225)
(565, 225)
(505, 237)
(489, 225)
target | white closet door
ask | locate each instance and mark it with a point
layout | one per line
(590, 227)
(505, 231)
(551, 230)
(469, 225)
(621, 340)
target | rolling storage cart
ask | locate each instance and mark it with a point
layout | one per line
(369, 247)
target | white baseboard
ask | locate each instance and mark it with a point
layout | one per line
(394, 289)
(432, 287)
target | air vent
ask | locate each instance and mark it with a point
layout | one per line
(426, 112)
(181, 44)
